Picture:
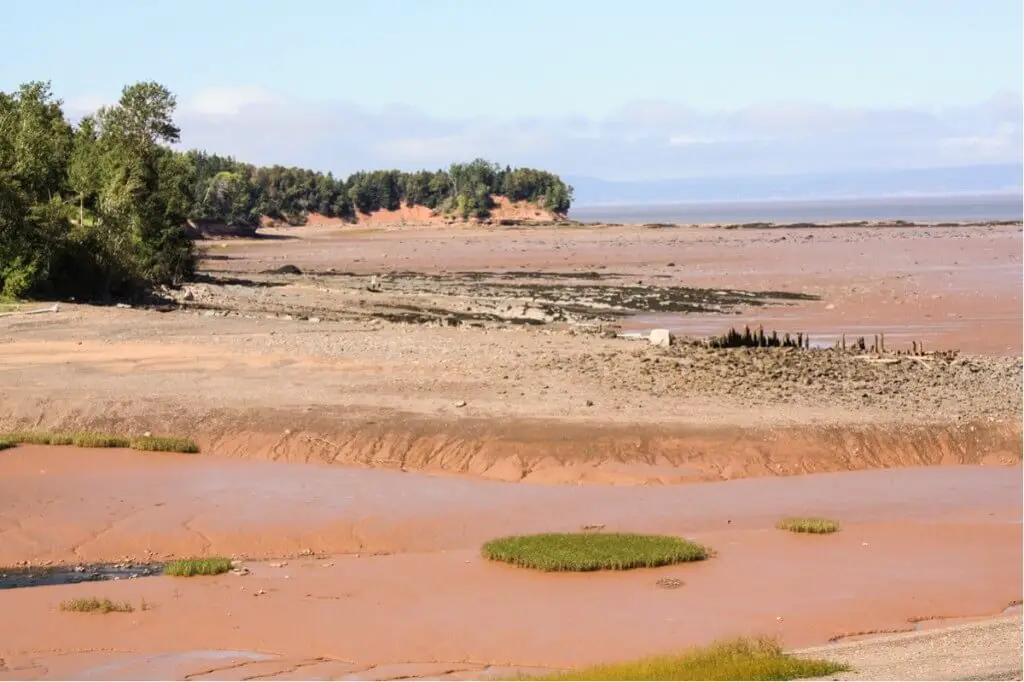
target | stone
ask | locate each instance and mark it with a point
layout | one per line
(661, 337)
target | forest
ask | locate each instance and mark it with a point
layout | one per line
(99, 209)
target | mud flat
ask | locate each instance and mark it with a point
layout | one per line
(373, 404)
(383, 568)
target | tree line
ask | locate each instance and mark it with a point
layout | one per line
(100, 209)
(225, 190)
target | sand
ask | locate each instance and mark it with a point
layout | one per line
(359, 445)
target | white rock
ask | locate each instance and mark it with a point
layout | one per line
(661, 337)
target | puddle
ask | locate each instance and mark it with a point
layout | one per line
(40, 576)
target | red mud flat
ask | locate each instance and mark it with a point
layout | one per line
(951, 287)
(389, 583)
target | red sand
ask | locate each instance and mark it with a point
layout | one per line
(921, 543)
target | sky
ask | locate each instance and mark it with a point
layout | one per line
(642, 89)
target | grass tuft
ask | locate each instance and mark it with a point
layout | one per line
(94, 605)
(38, 438)
(5, 444)
(186, 568)
(811, 525)
(593, 551)
(164, 444)
(739, 659)
(90, 439)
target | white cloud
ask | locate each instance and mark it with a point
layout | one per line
(225, 101)
(644, 139)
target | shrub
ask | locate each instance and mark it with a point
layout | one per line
(810, 525)
(94, 605)
(739, 659)
(186, 568)
(5, 444)
(164, 444)
(592, 551)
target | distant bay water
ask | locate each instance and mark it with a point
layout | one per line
(995, 207)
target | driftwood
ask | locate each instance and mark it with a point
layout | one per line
(55, 308)
(877, 361)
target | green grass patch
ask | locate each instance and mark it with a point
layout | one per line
(810, 525)
(94, 605)
(186, 568)
(164, 444)
(38, 438)
(4, 444)
(739, 659)
(593, 551)
(90, 439)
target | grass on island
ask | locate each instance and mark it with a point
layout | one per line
(186, 568)
(811, 525)
(593, 551)
(90, 439)
(94, 605)
(164, 444)
(739, 659)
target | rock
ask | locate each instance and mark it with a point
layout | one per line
(460, 403)
(314, 320)
(661, 337)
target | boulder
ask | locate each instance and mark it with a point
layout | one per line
(661, 337)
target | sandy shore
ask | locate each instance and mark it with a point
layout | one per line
(362, 437)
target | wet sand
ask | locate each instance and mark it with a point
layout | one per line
(951, 287)
(395, 574)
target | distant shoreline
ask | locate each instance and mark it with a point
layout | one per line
(945, 209)
(764, 225)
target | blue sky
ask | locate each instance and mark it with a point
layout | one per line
(646, 88)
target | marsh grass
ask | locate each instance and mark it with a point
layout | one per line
(592, 551)
(91, 439)
(186, 568)
(813, 526)
(95, 605)
(5, 444)
(738, 659)
(164, 444)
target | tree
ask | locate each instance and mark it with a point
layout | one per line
(84, 176)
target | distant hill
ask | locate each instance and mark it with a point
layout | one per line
(837, 185)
